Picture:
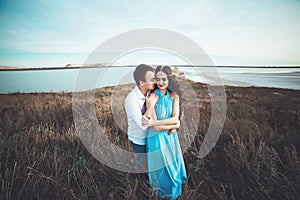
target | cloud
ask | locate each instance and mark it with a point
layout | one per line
(257, 29)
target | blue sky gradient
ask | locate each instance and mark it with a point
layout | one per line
(55, 33)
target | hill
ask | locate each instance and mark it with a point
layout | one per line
(256, 156)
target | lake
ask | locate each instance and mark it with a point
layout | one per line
(66, 79)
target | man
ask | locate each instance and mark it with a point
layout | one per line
(135, 109)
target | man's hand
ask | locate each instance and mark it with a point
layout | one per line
(171, 131)
(146, 121)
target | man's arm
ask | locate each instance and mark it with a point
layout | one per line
(133, 111)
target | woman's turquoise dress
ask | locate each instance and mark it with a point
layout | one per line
(166, 166)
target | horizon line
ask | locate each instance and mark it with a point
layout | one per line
(8, 68)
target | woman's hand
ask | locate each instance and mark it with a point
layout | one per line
(151, 100)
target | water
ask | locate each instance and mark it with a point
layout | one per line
(65, 80)
(61, 80)
(259, 77)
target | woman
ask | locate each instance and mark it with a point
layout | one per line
(166, 166)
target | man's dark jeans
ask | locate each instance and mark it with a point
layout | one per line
(140, 158)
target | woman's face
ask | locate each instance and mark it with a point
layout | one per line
(162, 80)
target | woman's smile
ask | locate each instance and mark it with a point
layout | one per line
(162, 80)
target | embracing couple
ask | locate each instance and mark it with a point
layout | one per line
(153, 109)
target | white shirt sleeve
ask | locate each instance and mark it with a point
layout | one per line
(133, 111)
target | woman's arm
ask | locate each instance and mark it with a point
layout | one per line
(175, 114)
(175, 118)
(150, 114)
(166, 127)
(152, 121)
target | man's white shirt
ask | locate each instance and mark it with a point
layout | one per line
(133, 105)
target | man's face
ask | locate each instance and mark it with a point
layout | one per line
(149, 83)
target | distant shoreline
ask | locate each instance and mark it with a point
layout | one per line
(56, 79)
(8, 68)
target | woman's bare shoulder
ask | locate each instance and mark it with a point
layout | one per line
(174, 95)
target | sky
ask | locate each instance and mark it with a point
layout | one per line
(38, 33)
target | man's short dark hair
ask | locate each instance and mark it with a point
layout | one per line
(140, 73)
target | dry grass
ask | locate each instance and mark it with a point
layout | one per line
(256, 157)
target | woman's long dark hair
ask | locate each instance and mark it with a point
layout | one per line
(173, 84)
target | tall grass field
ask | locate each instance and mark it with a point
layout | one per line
(256, 156)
